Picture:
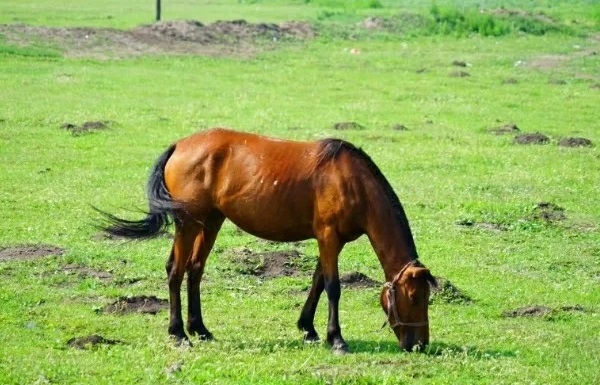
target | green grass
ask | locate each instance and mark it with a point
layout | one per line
(446, 169)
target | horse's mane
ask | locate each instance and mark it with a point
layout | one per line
(331, 148)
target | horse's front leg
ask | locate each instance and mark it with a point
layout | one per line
(307, 316)
(329, 249)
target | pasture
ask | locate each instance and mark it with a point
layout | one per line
(90, 95)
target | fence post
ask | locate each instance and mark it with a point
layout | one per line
(157, 10)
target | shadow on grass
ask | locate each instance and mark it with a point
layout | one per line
(433, 349)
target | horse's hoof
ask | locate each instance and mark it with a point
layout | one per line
(311, 339)
(182, 341)
(207, 336)
(340, 349)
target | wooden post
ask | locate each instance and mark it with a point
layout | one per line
(157, 10)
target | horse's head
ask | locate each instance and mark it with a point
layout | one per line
(405, 300)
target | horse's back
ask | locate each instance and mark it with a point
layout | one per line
(264, 185)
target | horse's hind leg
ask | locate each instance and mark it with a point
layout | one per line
(203, 244)
(307, 316)
(176, 266)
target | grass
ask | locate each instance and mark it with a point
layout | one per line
(446, 169)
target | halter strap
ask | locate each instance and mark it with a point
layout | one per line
(391, 298)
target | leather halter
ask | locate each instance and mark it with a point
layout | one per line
(391, 299)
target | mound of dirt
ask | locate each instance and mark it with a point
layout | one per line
(535, 138)
(356, 279)
(140, 304)
(448, 293)
(86, 127)
(90, 342)
(29, 252)
(236, 38)
(575, 142)
(548, 212)
(341, 126)
(459, 74)
(271, 264)
(509, 128)
(459, 63)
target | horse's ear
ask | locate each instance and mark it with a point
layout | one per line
(425, 273)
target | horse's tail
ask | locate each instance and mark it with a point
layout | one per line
(161, 207)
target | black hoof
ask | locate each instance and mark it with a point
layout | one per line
(181, 340)
(340, 349)
(311, 338)
(206, 336)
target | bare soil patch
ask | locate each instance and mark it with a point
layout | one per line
(548, 212)
(542, 311)
(229, 38)
(532, 138)
(459, 63)
(342, 126)
(86, 272)
(86, 127)
(448, 293)
(272, 264)
(357, 279)
(399, 127)
(140, 304)
(575, 142)
(29, 252)
(481, 225)
(90, 342)
(509, 128)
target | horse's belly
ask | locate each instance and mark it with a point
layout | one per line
(268, 220)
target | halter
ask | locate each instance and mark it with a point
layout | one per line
(391, 298)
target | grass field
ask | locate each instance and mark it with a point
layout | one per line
(475, 200)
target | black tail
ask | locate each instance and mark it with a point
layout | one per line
(161, 208)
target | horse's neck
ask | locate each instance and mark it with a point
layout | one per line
(390, 238)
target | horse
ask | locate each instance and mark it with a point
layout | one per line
(286, 191)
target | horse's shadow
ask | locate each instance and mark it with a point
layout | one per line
(436, 348)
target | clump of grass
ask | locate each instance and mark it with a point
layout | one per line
(453, 21)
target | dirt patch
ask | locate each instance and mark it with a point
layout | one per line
(548, 62)
(140, 304)
(86, 127)
(509, 128)
(446, 292)
(528, 311)
(271, 264)
(342, 126)
(90, 342)
(238, 38)
(575, 142)
(534, 138)
(510, 81)
(542, 311)
(29, 252)
(356, 279)
(548, 212)
(86, 272)
(459, 63)
(595, 86)
(399, 127)
(481, 225)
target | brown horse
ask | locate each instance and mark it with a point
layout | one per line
(282, 191)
